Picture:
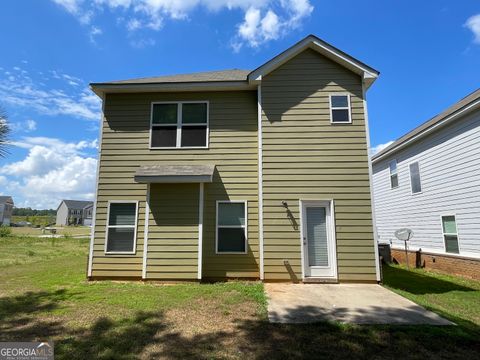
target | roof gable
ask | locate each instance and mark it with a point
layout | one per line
(312, 42)
(5, 199)
(76, 204)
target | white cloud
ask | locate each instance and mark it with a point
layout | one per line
(473, 23)
(379, 147)
(25, 126)
(264, 20)
(51, 171)
(21, 90)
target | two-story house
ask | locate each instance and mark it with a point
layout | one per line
(74, 212)
(429, 181)
(259, 174)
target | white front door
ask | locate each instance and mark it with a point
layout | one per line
(318, 240)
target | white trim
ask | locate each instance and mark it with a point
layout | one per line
(392, 174)
(107, 226)
(95, 201)
(331, 234)
(302, 253)
(425, 132)
(464, 255)
(179, 125)
(260, 181)
(370, 180)
(200, 230)
(419, 176)
(145, 234)
(449, 234)
(348, 107)
(245, 227)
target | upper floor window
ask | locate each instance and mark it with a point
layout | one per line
(415, 178)
(179, 125)
(393, 174)
(340, 112)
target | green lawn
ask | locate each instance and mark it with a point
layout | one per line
(45, 296)
(61, 230)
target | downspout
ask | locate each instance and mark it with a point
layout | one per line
(145, 234)
(260, 179)
(370, 179)
(94, 213)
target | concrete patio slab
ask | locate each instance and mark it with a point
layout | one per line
(346, 303)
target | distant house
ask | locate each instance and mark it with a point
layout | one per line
(6, 208)
(74, 212)
(429, 181)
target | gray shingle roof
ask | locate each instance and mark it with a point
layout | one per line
(77, 204)
(209, 76)
(432, 122)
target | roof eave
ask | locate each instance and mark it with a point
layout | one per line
(106, 88)
(400, 144)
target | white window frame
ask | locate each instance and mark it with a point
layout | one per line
(179, 124)
(245, 227)
(449, 234)
(349, 108)
(392, 174)
(419, 176)
(107, 226)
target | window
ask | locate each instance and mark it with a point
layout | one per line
(231, 227)
(415, 178)
(179, 124)
(340, 109)
(393, 174)
(450, 236)
(121, 227)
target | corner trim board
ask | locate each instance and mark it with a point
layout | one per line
(370, 179)
(260, 181)
(95, 201)
(200, 230)
(145, 234)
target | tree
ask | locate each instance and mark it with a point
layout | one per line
(4, 133)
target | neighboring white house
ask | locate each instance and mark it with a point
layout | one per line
(429, 181)
(6, 209)
(74, 212)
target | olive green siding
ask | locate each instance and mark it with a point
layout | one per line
(307, 158)
(232, 148)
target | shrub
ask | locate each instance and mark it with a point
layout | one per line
(5, 231)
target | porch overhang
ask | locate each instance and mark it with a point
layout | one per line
(174, 174)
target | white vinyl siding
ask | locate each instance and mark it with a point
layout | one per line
(450, 179)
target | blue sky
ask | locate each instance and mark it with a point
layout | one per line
(428, 53)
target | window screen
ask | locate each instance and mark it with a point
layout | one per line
(415, 178)
(231, 227)
(340, 109)
(121, 227)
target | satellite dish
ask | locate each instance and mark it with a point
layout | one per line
(404, 234)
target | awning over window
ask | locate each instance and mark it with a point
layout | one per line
(174, 174)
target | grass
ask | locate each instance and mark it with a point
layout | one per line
(61, 230)
(46, 297)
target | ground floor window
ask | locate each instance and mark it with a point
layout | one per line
(450, 235)
(121, 227)
(231, 229)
